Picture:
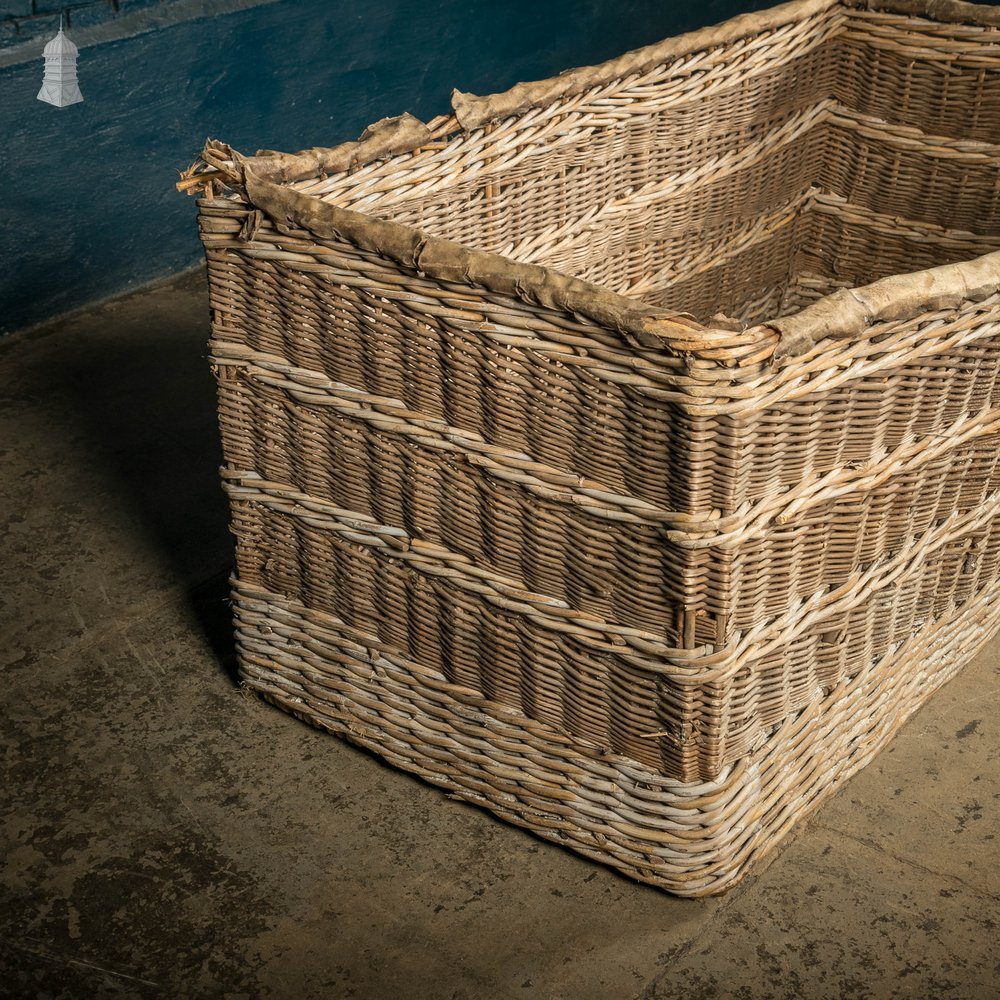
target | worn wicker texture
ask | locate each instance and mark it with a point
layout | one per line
(595, 453)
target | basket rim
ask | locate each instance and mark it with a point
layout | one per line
(845, 314)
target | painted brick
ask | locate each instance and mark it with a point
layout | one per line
(86, 17)
(37, 27)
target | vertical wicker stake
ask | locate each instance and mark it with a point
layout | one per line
(490, 191)
(59, 86)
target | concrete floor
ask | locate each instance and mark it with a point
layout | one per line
(164, 835)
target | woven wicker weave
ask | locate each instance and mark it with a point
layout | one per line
(621, 452)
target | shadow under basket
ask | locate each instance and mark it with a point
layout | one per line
(620, 452)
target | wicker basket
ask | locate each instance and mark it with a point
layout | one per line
(595, 452)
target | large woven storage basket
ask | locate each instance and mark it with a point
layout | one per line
(621, 452)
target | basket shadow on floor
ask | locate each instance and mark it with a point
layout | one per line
(133, 383)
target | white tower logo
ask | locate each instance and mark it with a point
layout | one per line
(59, 86)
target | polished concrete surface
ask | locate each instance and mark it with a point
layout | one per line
(163, 834)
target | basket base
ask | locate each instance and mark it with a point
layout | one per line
(689, 838)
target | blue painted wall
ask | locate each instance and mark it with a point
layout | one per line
(87, 203)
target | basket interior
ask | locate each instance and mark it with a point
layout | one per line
(749, 179)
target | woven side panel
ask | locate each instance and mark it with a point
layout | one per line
(871, 507)
(941, 78)
(598, 207)
(850, 244)
(474, 463)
